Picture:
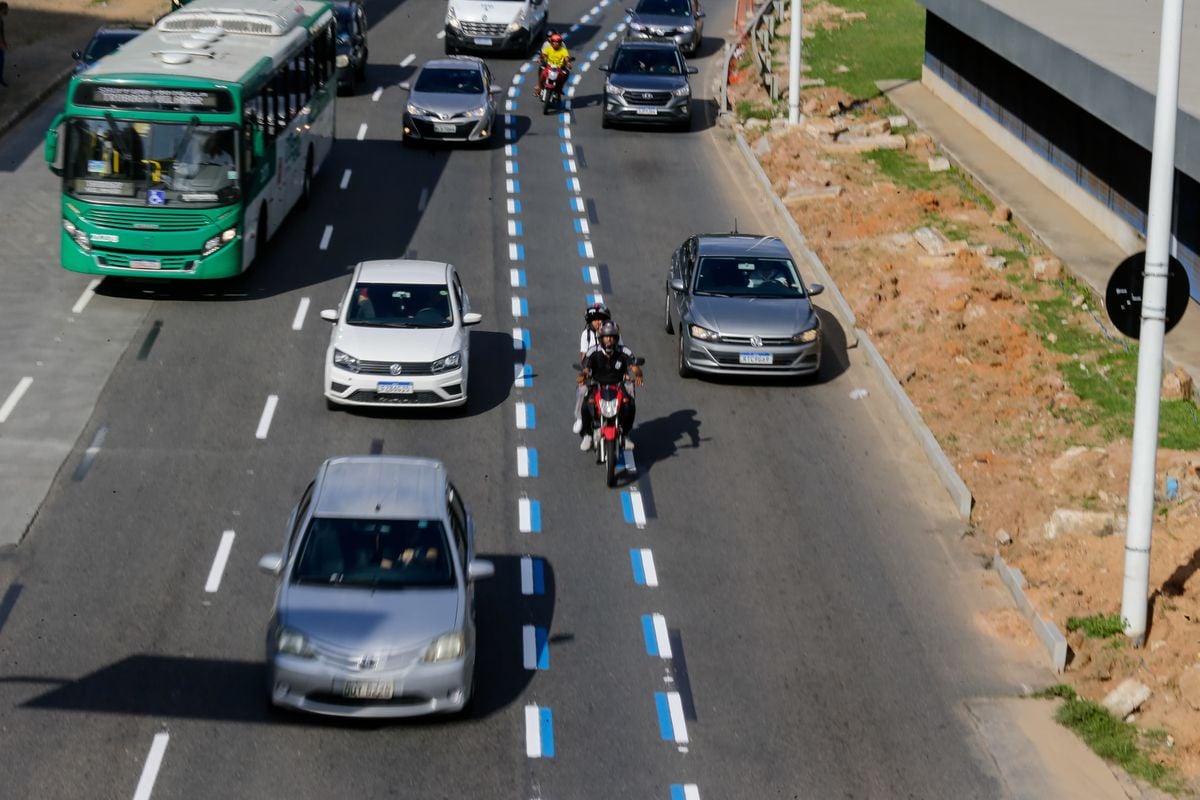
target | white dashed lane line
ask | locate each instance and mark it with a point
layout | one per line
(218, 566)
(301, 311)
(326, 236)
(423, 201)
(362, 131)
(14, 397)
(345, 179)
(86, 297)
(411, 57)
(264, 422)
(526, 418)
(378, 93)
(158, 749)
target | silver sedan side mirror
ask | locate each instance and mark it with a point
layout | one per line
(815, 289)
(677, 285)
(478, 568)
(271, 563)
(405, 85)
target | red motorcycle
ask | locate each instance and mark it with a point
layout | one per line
(607, 401)
(554, 79)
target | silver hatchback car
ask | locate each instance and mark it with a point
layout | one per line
(375, 611)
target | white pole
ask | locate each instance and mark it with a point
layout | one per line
(794, 65)
(1135, 598)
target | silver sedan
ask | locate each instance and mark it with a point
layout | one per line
(451, 99)
(375, 610)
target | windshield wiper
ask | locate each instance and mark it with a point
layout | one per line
(116, 135)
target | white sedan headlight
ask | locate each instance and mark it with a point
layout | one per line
(452, 361)
(447, 647)
(476, 112)
(345, 360)
(294, 643)
(416, 110)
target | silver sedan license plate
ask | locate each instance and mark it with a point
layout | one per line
(444, 127)
(394, 388)
(369, 690)
(755, 358)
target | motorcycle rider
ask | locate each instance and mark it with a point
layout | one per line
(594, 316)
(554, 53)
(607, 363)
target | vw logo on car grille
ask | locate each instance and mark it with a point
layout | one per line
(395, 369)
(756, 341)
(368, 662)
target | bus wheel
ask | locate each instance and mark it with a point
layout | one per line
(306, 191)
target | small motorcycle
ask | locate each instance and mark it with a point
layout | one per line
(554, 79)
(607, 400)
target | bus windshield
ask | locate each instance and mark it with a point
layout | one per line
(152, 163)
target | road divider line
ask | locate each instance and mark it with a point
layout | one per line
(520, 337)
(14, 397)
(585, 66)
(539, 732)
(512, 186)
(564, 132)
(158, 748)
(585, 250)
(516, 252)
(326, 236)
(527, 462)
(88, 293)
(654, 630)
(362, 132)
(218, 566)
(514, 206)
(625, 461)
(515, 228)
(510, 105)
(89, 455)
(581, 226)
(516, 278)
(520, 307)
(635, 512)
(573, 185)
(526, 416)
(423, 200)
(569, 165)
(591, 276)
(378, 93)
(536, 650)
(529, 515)
(685, 791)
(523, 376)
(526, 67)
(301, 310)
(577, 204)
(411, 57)
(672, 726)
(644, 571)
(567, 148)
(511, 167)
(533, 576)
(264, 422)
(510, 150)
(593, 298)
(345, 179)
(611, 36)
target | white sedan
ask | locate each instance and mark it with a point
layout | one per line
(399, 337)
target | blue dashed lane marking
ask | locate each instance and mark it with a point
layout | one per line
(627, 508)
(518, 229)
(517, 278)
(577, 224)
(639, 572)
(665, 730)
(546, 719)
(649, 635)
(543, 648)
(685, 791)
(515, 206)
(539, 576)
(594, 297)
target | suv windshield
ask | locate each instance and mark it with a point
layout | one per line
(382, 554)
(152, 163)
(742, 276)
(668, 8)
(400, 305)
(445, 80)
(646, 61)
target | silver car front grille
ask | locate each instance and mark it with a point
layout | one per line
(772, 341)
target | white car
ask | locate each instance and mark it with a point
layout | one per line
(399, 337)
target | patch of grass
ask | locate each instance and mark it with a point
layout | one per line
(905, 170)
(748, 109)
(1097, 626)
(889, 43)
(970, 191)
(1014, 257)
(1113, 739)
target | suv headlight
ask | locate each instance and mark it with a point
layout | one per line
(682, 91)
(615, 91)
(452, 361)
(686, 28)
(806, 337)
(452, 19)
(447, 647)
(342, 60)
(345, 360)
(79, 236)
(636, 26)
(703, 334)
(293, 643)
(214, 244)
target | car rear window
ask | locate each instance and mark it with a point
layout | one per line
(381, 554)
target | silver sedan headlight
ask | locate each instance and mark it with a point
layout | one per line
(345, 361)
(806, 337)
(477, 112)
(293, 643)
(703, 334)
(416, 110)
(452, 361)
(446, 647)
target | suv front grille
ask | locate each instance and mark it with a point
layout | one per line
(640, 98)
(492, 29)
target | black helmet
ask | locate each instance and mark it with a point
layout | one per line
(597, 311)
(608, 329)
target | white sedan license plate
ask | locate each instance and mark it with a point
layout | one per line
(144, 263)
(483, 42)
(648, 112)
(394, 388)
(444, 127)
(369, 690)
(755, 358)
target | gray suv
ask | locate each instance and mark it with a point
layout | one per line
(678, 21)
(375, 610)
(647, 84)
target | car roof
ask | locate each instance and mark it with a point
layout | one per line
(383, 486)
(732, 244)
(402, 270)
(451, 62)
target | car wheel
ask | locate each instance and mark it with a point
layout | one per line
(684, 370)
(667, 315)
(361, 72)
(610, 462)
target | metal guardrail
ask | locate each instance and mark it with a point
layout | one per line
(758, 34)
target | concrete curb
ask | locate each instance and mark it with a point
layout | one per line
(1047, 632)
(9, 121)
(955, 487)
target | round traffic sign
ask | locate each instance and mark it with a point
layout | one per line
(1123, 298)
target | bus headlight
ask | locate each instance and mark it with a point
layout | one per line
(214, 244)
(79, 236)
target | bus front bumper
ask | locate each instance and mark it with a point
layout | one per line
(224, 262)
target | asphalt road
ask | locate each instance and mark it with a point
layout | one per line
(803, 559)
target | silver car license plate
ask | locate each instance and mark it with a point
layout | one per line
(755, 358)
(394, 387)
(648, 112)
(483, 41)
(369, 690)
(444, 127)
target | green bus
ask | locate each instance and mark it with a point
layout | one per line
(184, 151)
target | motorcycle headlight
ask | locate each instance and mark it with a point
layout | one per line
(682, 91)
(345, 361)
(615, 91)
(452, 361)
(452, 19)
(447, 647)
(608, 408)
(342, 60)
(703, 334)
(293, 643)
(806, 337)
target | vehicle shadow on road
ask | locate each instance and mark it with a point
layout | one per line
(660, 439)
(224, 690)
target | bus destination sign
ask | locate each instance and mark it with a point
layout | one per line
(155, 98)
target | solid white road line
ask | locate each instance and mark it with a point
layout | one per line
(301, 310)
(86, 297)
(218, 567)
(411, 57)
(378, 93)
(529, 647)
(264, 422)
(639, 511)
(362, 131)
(14, 397)
(526, 575)
(154, 759)
(691, 791)
(533, 732)
(345, 179)
(648, 567)
(660, 635)
(423, 201)
(678, 722)
(326, 236)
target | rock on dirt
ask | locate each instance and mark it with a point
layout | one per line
(1076, 460)
(1177, 385)
(1000, 214)
(756, 124)
(1189, 687)
(939, 164)
(1072, 522)
(1046, 269)
(932, 241)
(1127, 698)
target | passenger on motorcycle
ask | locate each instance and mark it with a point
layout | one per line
(554, 54)
(595, 315)
(610, 362)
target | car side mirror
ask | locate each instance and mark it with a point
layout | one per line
(815, 289)
(677, 285)
(495, 89)
(603, 68)
(329, 315)
(405, 85)
(50, 149)
(472, 318)
(478, 568)
(271, 563)
(692, 70)
(77, 55)
(701, 15)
